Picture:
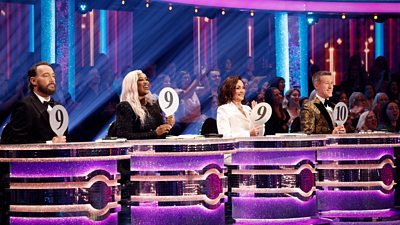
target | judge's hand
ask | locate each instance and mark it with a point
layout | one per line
(163, 129)
(255, 131)
(59, 139)
(339, 130)
(253, 104)
(170, 120)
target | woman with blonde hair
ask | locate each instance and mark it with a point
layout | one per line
(138, 115)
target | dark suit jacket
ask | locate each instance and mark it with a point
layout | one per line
(29, 123)
(315, 119)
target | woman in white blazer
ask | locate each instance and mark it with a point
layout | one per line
(233, 118)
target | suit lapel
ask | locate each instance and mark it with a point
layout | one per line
(235, 108)
(40, 108)
(324, 113)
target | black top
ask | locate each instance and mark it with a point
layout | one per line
(29, 123)
(275, 125)
(127, 124)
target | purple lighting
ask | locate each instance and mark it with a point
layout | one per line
(300, 6)
(177, 215)
(307, 180)
(168, 163)
(387, 174)
(112, 219)
(272, 208)
(60, 169)
(354, 200)
(339, 154)
(277, 158)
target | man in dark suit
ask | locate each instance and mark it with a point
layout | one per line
(30, 119)
(316, 115)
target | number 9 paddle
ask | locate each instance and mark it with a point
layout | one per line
(340, 113)
(169, 101)
(261, 113)
(59, 119)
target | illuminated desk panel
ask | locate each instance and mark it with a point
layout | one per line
(272, 179)
(63, 183)
(356, 178)
(179, 181)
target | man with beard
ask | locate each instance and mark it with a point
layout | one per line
(30, 119)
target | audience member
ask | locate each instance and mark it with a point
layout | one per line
(357, 105)
(278, 123)
(367, 122)
(389, 120)
(369, 93)
(379, 100)
(292, 104)
(279, 83)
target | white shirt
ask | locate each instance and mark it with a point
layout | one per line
(41, 99)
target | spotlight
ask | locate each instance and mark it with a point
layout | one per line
(343, 16)
(196, 10)
(251, 13)
(83, 7)
(147, 5)
(123, 2)
(312, 19)
(170, 7)
(223, 12)
(380, 18)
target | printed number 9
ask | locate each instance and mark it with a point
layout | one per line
(168, 98)
(59, 118)
(261, 112)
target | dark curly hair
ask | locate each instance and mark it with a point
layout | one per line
(227, 89)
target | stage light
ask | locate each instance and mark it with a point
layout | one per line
(147, 5)
(170, 7)
(196, 10)
(83, 7)
(123, 2)
(312, 19)
(380, 18)
(343, 16)
(223, 12)
(251, 13)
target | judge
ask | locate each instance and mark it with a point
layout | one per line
(316, 115)
(30, 119)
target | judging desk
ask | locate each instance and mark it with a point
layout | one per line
(283, 179)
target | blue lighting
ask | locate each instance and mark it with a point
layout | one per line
(303, 39)
(379, 38)
(83, 7)
(31, 28)
(71, 49)
(103, 31)
(282, 47)
(48, 30)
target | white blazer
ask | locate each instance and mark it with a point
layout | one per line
(232, 123)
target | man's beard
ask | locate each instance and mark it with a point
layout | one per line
(47, 90)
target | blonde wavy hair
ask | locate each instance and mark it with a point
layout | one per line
(130, 94)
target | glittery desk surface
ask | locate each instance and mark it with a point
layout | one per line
(88, 151)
